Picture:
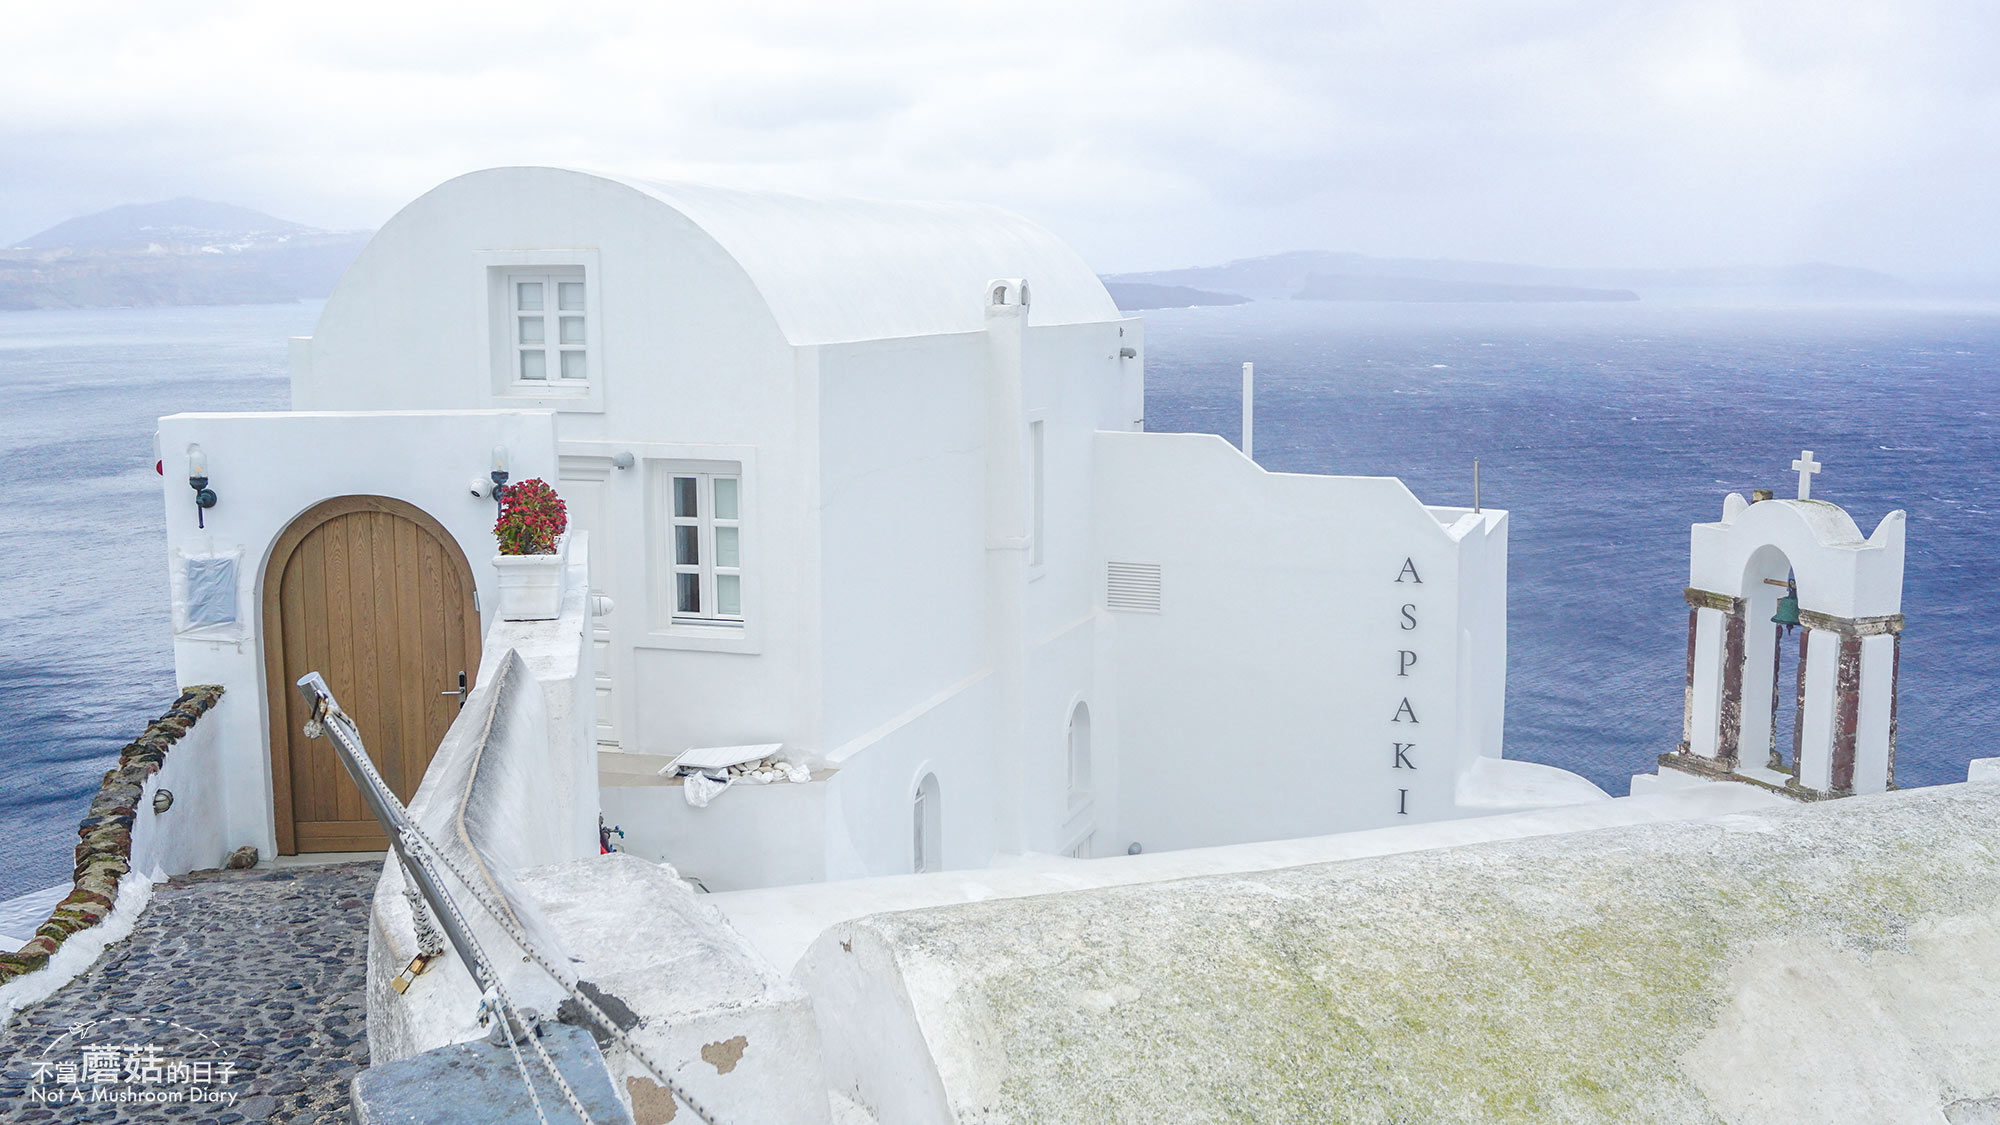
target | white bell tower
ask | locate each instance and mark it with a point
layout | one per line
(1849, 597)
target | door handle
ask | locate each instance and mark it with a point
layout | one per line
(460, 693)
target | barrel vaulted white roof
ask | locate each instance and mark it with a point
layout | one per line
(848, 269)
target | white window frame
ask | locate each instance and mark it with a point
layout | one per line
(501, 269)
(707, 569)
(550, 321)
(663, 627)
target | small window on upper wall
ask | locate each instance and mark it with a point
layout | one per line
(544, 329)
(549, 326)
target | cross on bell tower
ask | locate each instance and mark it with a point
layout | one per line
(1805, 466)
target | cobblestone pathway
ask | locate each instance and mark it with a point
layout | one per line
(251, 979)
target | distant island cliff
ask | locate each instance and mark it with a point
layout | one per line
(1132, 295)
(200, 252)
(180, 252)
(1361, 287)
(1319, 275)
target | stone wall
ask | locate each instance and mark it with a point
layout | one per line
(104, 850)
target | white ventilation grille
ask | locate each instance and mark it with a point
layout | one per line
(1133, 587)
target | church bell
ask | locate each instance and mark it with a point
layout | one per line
(1788, 611)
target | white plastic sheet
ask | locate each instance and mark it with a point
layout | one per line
(211, 585)
(208, 598)
(701, 789)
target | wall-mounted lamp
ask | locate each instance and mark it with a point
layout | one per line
(204, 496)
(499, 475)
(622, 459)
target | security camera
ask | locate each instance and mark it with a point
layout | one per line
(480, 487)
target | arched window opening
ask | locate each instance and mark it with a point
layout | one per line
(1787, 683)
(1079, 755)
(927, 834)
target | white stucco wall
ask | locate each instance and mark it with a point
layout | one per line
(1266, 698)
(1077, 384)
(266, 470)
(870, 822)
(909, 675)
(502, 795)
(193, 833)
(558, 656)
(902, 512)
(690, 365)
(750, 836)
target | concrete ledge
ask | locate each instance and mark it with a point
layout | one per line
(477, 1083)
(742, 1035)
(781, 922)
(1814, 962)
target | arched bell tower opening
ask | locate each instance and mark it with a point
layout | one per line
(1791, 609)
(1773, 646)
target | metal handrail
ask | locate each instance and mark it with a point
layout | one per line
(375, 793)
(327, 718)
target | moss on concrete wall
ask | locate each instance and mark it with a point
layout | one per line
(1592, 977)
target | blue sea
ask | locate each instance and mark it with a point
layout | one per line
(1605, 429)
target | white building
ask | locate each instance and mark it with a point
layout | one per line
(866, 480)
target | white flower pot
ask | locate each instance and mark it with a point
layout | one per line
(531, 586)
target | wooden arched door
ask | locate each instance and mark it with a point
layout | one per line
(374, 595)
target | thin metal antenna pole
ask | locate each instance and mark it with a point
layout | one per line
(1475, 484)
(1249, 407)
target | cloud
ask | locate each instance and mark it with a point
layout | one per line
(1556, 131)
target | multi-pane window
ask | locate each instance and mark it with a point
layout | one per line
(549, 327)
(706, 541)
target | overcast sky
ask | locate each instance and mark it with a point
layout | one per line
(1558, 132)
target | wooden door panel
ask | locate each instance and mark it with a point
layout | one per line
(374, 595)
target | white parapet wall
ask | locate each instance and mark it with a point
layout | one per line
(512, 798)
(512, 786)
(1321, 654)
(1825, 962)
(188, 835)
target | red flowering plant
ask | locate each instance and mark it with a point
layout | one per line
(532, 516)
